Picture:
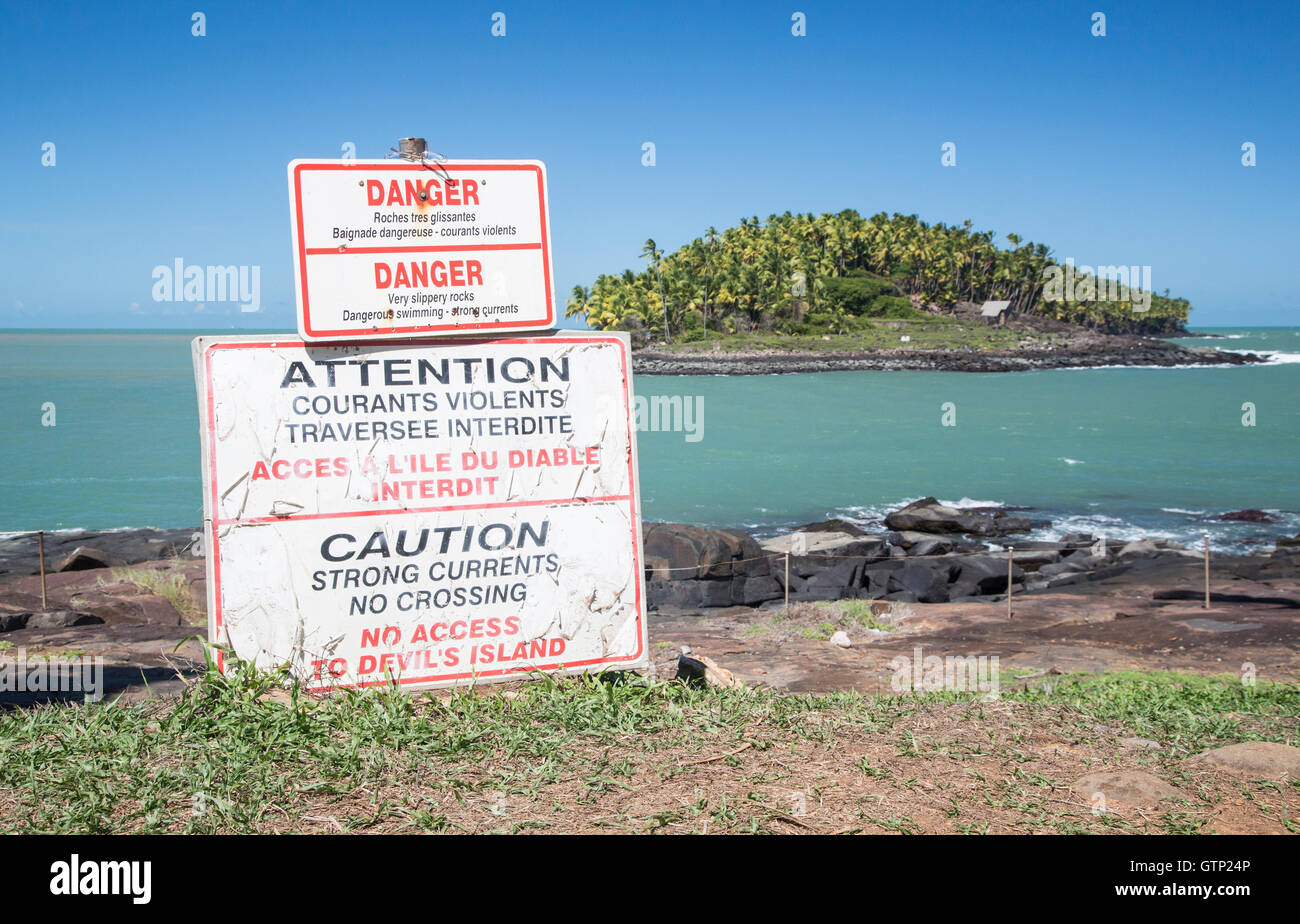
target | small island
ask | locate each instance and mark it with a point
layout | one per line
(807, 293)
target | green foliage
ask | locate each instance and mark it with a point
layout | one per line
(859, 294)
(894, 306)
(802, 274)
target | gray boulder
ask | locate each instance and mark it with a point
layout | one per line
(986, 574)
(85, 557)
(696, 552)
(927, 582)
(929, 516)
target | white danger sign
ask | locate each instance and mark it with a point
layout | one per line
(389, 249)
(427, 513)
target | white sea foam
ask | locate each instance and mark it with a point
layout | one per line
(1069, 461)
(966, 503)
(1271, 357)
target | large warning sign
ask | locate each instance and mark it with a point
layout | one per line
(425, 513)
(392, 249)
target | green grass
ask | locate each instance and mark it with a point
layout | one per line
(242, 753)
(174, 588)
(1184, 711)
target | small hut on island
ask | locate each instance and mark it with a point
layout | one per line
(996, 312)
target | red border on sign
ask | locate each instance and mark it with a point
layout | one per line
(364, 334)
(630, 497)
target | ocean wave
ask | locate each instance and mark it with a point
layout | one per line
(1069, 461)
(966, 503)
(1190, 513)
(1270, 357)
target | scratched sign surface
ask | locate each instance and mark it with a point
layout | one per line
(392, 249)
(429, 513)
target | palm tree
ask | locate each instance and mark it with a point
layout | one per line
(578, 301)
(652, 253)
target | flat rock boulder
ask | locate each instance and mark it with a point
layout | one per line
(85, 557)
(1253, 759)
(929, 516)
(1131, 787)
(60, 619)
(800, 543)
(1142, 547)
(832, 526)
(697, 552)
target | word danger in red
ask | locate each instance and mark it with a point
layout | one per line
(422, 192)
(425, 273)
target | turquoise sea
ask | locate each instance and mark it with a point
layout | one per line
(1119, 451)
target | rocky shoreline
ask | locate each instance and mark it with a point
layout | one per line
(931, 554)
(928, 553)
(137, 598)
(1092, 352)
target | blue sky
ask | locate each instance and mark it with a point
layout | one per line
(1123, 149)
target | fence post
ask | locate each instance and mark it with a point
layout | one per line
(1207, 571)
(40, 550)
(1011, 556)
(787, 583)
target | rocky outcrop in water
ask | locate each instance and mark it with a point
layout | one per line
(1101, 351)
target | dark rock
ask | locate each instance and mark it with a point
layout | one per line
(61, 619)
(672, 593)
(874, 549)
(928, 582)
(931, 547)
(803, 566)
(47, 619)
(877, 575)
(1035, 559)
(696, 552)
(714, 593)
(929, 516)
(1065, 580)
(85, 557)
(832, 526)
(836, 579)
(751, 591)
(1247, 516)
(690, 671)
(1109, 571)
(818, 594)
(1074, 566)
(987, 573)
